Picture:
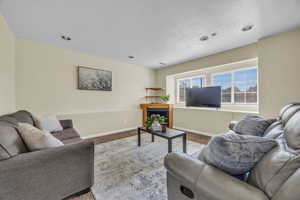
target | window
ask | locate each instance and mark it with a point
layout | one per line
(225, 81)
(245, 86)
(239, 87)
(191, 82)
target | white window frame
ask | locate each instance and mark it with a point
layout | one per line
(232, 72)
(187, 78)
(221, 73)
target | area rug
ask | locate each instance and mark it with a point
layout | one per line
(124, 171)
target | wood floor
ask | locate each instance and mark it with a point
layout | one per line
(102, 139)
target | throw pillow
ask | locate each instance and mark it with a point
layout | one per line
(49, 123)
(37, 139)
(236, 154)
(253, 125)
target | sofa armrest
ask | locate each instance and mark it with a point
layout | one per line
(48, 174)
(209, 182)
(183, 166)
(66, 123)
(232, 125)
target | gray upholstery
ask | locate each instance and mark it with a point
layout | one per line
(288, 111)
(8, 119)
(23, 116)
(50, 174)
(66, 123)
(275, 168)
(274, 130)
(275, 177)
(252, 125)
(290, 189)
(236, 154)
(72, 140)
(11, 143)
(206, 182)
(292, 131)
(66, 134)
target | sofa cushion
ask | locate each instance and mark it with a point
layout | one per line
(236, 154)
(11, 144)
(49, 123)
(23, 116)
(252, 125)
(3, 153)
(274, 130)
(275, 168)
(288, 111)
(13, 121)
(65, 134)
(292, 131)
(37, 139)
(66, 123)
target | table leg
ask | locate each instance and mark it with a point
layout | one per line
(139, 137)
(184, 143)
(152, 137)
(170, 145)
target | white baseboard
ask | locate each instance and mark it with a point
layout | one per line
(195, 131)
(108, 133)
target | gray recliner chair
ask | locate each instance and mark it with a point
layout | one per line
(275, 177)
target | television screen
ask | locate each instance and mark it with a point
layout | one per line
(204, 97)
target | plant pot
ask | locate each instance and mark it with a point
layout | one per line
(163, 127)
(156, 126)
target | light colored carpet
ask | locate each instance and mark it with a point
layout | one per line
(124, 171)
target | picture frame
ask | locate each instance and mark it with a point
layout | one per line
(94, 79)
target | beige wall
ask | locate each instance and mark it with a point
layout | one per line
(208, 121)
(7, 68)
(231, 56)
(42, 79)
(46, 82)
(279, 69)
(279, 61)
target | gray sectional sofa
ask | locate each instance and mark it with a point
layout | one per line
(275, 177)
(51, 174)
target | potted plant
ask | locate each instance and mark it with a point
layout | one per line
(165, 98)
(155, 122)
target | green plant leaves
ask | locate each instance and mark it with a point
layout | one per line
(152, 118)
(165, 98)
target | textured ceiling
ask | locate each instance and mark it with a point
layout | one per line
(153, 31)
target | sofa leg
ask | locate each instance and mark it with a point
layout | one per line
(78, 193)
(84, 191)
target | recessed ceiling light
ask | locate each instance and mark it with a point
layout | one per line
(65, 38)
(204, 38)
(247, 28)
(162, 63)
(214, 34)
(131, 57)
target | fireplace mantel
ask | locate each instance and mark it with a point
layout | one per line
(164, 107)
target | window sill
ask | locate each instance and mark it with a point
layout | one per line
(222, 109)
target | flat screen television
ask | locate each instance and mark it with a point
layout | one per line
(203, 97)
